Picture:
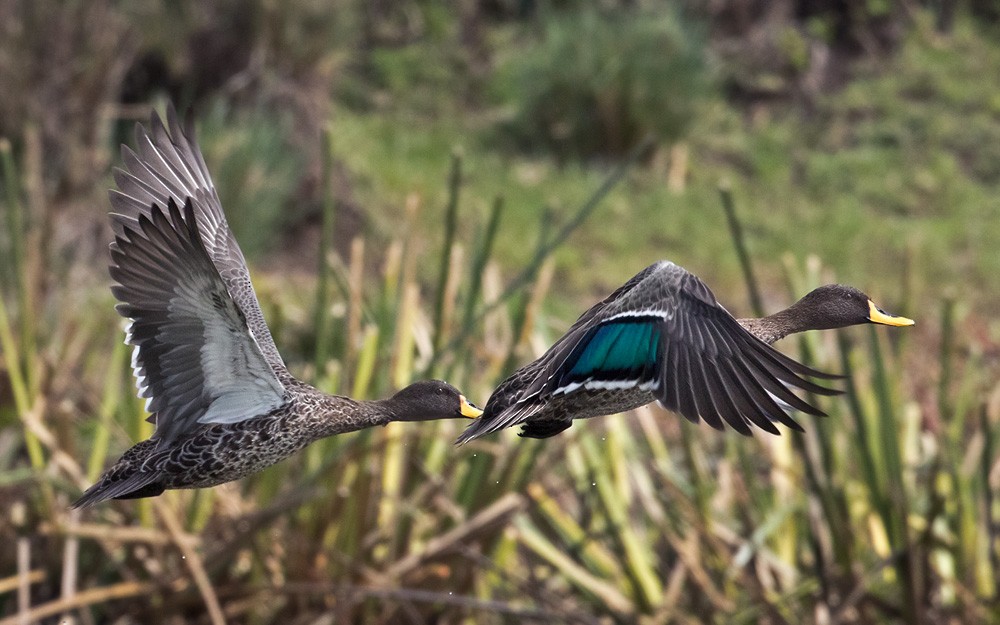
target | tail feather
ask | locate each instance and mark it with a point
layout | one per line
(494, 421)
(480, 427)
(143, 484)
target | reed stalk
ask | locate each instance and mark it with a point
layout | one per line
(639, 569)
(110, 401)
(321, 321)
(481, 256)
(13, 265)
(441, 303)
(18, 379)
(739, 243)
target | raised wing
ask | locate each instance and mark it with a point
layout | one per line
(194, 358)
(667, 335)
(169, 165)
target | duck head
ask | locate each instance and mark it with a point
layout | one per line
(429, 400)
(839, 306)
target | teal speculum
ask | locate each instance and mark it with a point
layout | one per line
(620, 350)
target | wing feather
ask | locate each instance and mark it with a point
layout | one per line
(194, 358)
(706, 365)
(165, 165)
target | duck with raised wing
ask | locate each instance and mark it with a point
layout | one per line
(664, 337)
(223, 402)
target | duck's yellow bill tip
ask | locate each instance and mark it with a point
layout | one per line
(469, 409)
(877, 315)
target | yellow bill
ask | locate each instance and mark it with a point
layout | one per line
(471, 411)
(877, 315)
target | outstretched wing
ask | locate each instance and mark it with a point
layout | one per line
(664, 333)
(194, 358)
(168, 165)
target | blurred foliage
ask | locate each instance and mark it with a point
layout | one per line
(597, 82)
(799, 48)
(257, 170)
(61, 65)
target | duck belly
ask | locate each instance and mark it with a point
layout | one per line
(225, 453)
(589, 403)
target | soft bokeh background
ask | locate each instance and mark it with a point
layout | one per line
(438, 189)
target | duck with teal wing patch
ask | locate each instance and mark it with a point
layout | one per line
(664, 337)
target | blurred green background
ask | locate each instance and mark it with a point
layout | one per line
(439, 189)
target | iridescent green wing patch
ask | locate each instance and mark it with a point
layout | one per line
(618, 352)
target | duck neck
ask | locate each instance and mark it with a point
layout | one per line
(342, 414)
(779, 325)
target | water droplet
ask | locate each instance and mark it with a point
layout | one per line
(593, 483)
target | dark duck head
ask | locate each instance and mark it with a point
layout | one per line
(824, 308)
(429, 400)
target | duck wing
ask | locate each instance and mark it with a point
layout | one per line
(195, 359)
(168, 165)
(662, 332)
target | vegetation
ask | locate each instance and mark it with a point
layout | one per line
(374, 147)
(574, 99)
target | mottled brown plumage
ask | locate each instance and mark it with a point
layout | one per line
(223, 401)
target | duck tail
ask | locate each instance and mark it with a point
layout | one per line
(134, 486)
(494, 420)
(479, 427)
